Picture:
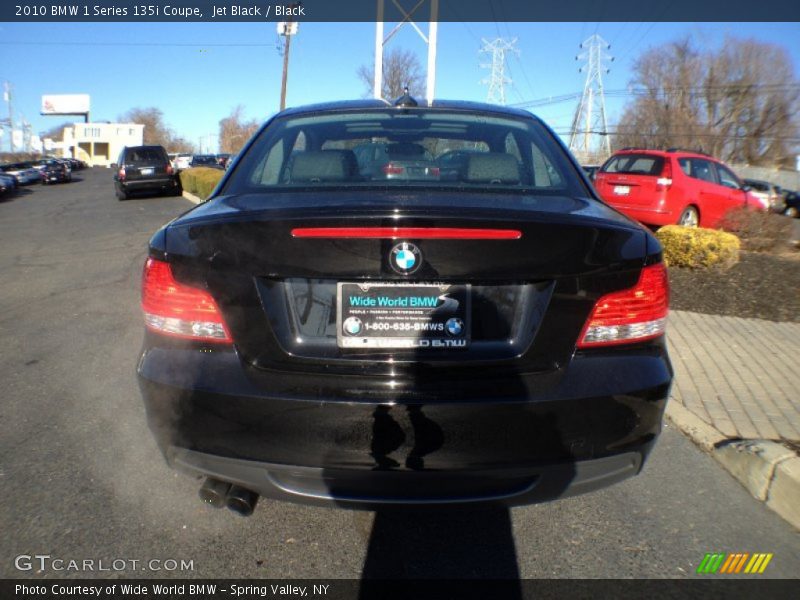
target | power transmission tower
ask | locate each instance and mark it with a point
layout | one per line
(590, 122)
(497, 79)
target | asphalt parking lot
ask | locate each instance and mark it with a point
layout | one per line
(81, 478)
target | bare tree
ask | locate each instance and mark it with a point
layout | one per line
(156, 131)
(401, 69)
(738, 103)
(56, 132)
(234, 132)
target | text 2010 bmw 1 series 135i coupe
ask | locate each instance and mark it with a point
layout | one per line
(464, 322)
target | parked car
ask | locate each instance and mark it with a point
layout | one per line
(792, 204)
(24, 172)
(55, 171)
(181, 162)
(769, 194)
(396, 160)
(204, 160)
(145, 169)
(76, 164)
(659, 187)
(8, 184)
(318, 336)
(229, 162)
(222, 159)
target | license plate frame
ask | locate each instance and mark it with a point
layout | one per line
(403, 315)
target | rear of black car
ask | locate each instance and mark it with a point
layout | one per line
(145, 169)
(55, 171)
(319, 334)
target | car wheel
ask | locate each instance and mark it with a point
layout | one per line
(689, 217)
(122, 195)
(792, 211)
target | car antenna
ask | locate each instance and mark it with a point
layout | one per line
(406, 100)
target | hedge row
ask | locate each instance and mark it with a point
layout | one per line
(200, 181)
(698, 248)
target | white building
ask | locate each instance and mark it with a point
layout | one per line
(99, 144)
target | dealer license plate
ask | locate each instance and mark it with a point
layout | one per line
(622, 190)
(385, 315)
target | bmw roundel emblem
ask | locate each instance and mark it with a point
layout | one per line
(405, 258)
(454, 326)
(352, 326)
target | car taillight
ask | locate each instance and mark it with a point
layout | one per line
(179, 310)
(628, 316)
(390, 169)
(170, 170)
(121, 174)
(663, 182)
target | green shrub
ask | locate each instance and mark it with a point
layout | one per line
(200, 181)
(759, 231)
(698, 248)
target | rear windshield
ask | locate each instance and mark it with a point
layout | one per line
(757, 185)
(135, 155)
(404, 148)
(634, 164)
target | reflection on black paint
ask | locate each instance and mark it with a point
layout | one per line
(428, 438)
(388, 436)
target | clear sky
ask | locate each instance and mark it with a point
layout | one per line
(197, 73)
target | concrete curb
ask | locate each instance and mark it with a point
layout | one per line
(192, 198)
(700, 432)
(767, 469)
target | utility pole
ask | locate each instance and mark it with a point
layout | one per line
(287, 29)
(591, 112)
(7, 98)
(497, 79)
(431, 40)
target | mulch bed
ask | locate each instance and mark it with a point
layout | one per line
(761, 286)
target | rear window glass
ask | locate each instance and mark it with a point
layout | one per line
(145, 154)
(634, 164)
(409, 148)
(757, 185)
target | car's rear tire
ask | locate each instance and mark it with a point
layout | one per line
(122, 196)
(689, 217)
(792, 211)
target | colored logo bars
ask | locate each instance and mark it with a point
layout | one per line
(734, 563)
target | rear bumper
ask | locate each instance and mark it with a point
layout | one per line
(512, 438)
(161, 183)
(351, 488)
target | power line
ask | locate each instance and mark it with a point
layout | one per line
(637, 132)
(664, 91)
(140, 44)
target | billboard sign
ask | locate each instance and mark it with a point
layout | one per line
(65, 104)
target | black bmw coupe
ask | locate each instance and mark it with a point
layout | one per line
(325, 329)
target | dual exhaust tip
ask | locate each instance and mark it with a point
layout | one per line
(218, 494)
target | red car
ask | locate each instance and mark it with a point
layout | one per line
(658, 187)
